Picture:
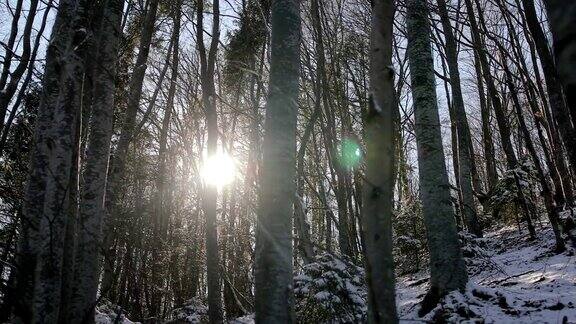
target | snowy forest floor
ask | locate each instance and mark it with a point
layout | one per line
(512, 280)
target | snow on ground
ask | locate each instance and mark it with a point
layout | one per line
(106, 313)
(514, 281)
(247, 319)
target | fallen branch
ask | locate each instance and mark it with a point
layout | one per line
(495, 282)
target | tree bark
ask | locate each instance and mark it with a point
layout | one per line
(92, 209)
(47, 203)
(378, 187)
(70, 239)
(273, 268)
(447, 268)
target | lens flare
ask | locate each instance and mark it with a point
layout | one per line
(219, 170)
(349, 154)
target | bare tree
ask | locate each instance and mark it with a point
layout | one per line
(207, 70)
(90, 221)
(273, 268)
(378, 187)
(46, 207)
(447, 267)
(467, 173)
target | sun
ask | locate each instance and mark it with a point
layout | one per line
(219, 170)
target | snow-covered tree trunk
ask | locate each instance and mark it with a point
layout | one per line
(378, 187)
(92, 209)
(273, 268)
(467, 171)
(447, 268)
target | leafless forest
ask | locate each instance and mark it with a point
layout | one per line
(287, 161)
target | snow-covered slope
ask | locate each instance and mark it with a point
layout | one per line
(513, 281)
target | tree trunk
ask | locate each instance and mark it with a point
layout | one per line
(27, 79)
(304, 240)
(547, 192)
(328, 214)
(207, 68)
(459, 199)
(161, 216)
(70, 239)
(118, 167)
(562, 18)
(551, 128)
(560, 110)
(501, 119)
(489, 156)
(47, 203)
(541, 124)
(92, 208)
(273, 268)
(447, 268)
(378, 187)
(465, 149)
(9, 46)
(15, 76)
